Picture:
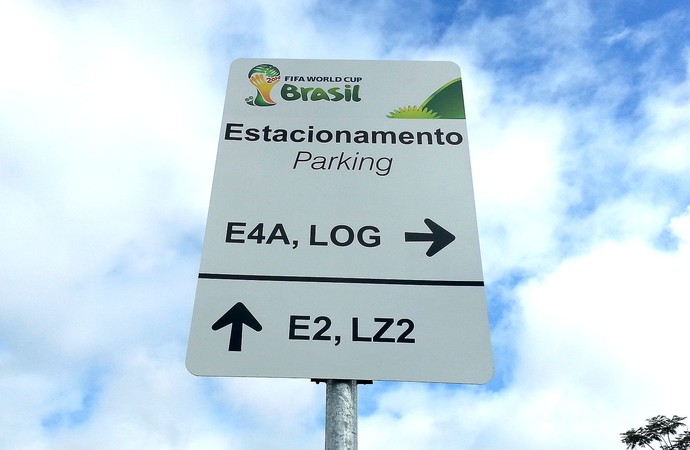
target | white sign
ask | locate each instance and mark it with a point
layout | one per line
(341, 240)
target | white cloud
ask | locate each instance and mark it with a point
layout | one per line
(519, 192)
(601, 343)
(664, 142)
(109, 115)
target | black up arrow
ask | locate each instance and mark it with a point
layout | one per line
(237, 316)
(439, 237)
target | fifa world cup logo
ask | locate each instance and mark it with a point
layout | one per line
(263, 77)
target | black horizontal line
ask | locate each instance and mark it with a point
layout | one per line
(299, 279)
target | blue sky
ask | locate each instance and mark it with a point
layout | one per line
(578, 122)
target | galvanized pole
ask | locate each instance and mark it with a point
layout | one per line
(341, 415)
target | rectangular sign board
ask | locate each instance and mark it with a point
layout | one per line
(341, 240)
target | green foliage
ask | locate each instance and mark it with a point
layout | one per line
(661, 431)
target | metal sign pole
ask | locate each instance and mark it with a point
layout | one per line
(341, 415)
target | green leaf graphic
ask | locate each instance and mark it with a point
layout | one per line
(446, 103)
(412, 112)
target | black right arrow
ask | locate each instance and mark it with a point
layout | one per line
(237, 316)
(439, 237)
